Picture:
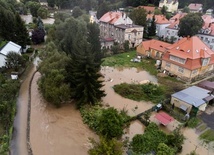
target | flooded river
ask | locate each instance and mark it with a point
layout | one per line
(62, 132)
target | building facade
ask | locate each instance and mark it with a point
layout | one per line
(188, 58)
(172, 5)
(119, 27)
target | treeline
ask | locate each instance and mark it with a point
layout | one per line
(71, 62)
(12, 27)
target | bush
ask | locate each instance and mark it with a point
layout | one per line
(30, 50)
(138, 92)
(193, 122)
(107, 122)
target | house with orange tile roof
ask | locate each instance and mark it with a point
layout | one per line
(195, 7)
(172, 5)
(171, 31)
(152, 48)
(161, 23)
(188, 58)
(118, 26)
(206, 34)
(149, 9)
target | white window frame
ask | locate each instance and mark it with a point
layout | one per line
(180, 69)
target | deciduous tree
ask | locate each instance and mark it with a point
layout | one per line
(190, 25)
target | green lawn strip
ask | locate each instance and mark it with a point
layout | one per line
(193, 122)
(207, 136)
(2, 43)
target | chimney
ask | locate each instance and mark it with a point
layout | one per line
(188, 37)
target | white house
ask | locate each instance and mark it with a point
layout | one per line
(161, 23)
(10, 46)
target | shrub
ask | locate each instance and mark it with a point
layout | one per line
(193, 122)
(30, 50)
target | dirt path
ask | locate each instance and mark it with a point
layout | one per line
(19, 140)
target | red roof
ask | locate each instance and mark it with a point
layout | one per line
(159, 19)
(163, 118)
(192, 48)
(111, 17)
(155, 44)
(148, 8)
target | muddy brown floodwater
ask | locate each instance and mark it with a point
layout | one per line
(57, 131)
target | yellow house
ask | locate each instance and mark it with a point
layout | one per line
(152, 48)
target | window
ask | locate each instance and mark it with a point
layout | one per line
(202, 38)
(168, 65)
(180, 69)
(212, 40)
(205, 61)
(194, 72)
(176, 59)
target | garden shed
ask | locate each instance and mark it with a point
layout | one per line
(191, 97)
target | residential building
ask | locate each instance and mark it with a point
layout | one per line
(93, 16)
(191, 98)
(171, 31)
(209, 12)
(161, 23)
(152, 48)
(206, 34)
(195, 7)
(172, 5)
(149, 9)
(188, 58)
(9, 47)
(119, 27)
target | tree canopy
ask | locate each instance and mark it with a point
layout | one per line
(139, 16)
(190, 25)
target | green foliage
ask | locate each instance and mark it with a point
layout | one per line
(106, 147)
(34, 7)
(91, 116)
(139, 16)
(192, 153)
(190, 25)
(77, 12)
(152, 28)
(111, 123)
(163, 149)
(14, 60)
(164, 10)
(147, 92)
(126, 46)
(52, 83)
(107, 122)
(176, 140)
(42, 12)
(156, 140)
(207, 136)
(115, 48)
(149, 141)
(193, 122)
(186, 9)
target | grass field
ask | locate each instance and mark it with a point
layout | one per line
(124, 60)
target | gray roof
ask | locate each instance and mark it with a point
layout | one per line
(193, 95)
(10, 46)
(123, 26)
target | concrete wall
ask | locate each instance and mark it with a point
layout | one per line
(178, 103)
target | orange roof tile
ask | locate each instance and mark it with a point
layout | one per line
(148, 8)
(155, 44)
(159, 19)
(191, 48)
(111, 17)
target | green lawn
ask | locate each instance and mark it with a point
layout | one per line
(207, 136)
(124, 60)
(2, 43)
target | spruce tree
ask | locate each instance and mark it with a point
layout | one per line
(152, 28)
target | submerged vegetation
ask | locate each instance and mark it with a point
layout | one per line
(138, 92)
